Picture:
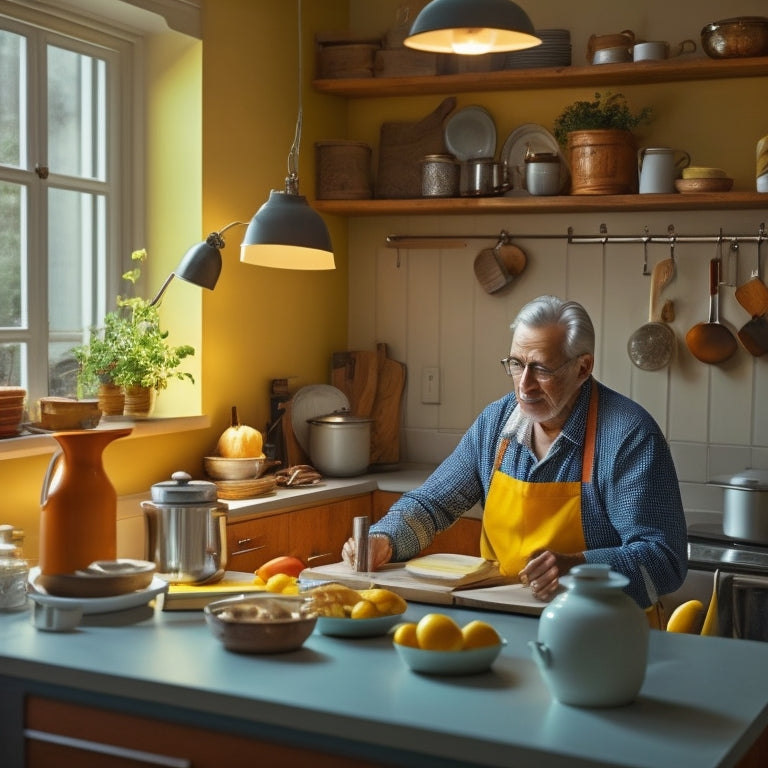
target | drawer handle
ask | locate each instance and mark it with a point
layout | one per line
(246, 551)
(148, 758)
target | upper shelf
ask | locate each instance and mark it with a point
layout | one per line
(558, 204)
(670, 70)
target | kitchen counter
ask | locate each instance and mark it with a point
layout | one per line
(700, 704)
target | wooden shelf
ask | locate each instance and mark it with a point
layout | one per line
(602, 75)
(559, 204)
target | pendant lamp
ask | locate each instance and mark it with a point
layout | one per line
(285, 232)
(472, 27)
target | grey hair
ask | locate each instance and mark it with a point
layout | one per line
(549, 310)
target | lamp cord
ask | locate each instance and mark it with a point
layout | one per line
(292, 180)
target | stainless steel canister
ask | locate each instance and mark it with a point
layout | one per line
(186, 530)
(439, 176)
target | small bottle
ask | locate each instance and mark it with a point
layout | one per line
(14, 571)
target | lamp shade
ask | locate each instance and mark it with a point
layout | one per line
(201, 265)
(472, 27)
(286, 233)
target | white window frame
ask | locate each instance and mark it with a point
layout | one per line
(125, 162)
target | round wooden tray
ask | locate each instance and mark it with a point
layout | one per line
(233, 490)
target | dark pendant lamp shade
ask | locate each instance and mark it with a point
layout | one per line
(201, 265)
(472, 27)
(286, 233)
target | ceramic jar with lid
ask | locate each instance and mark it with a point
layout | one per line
(14, 571)
(542, 173)
(592, 645)
(440, 176)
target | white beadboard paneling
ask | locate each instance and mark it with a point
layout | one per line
(390, 303)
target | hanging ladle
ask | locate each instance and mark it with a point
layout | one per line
(712, 342)
(651, 346)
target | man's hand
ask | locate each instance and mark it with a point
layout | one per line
(543, 571)
(379, 552)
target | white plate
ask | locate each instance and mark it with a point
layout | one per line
(471, 133)
(469, 662)
(96, 604)
(337, 627)
(313, 401)
(447, 567)
(513, 154)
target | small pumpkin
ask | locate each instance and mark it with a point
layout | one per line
(239, 441)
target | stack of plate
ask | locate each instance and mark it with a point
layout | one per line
(11, 410)
(554, 51)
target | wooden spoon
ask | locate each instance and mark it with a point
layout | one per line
(712, 342)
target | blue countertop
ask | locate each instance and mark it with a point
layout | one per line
(704, 700)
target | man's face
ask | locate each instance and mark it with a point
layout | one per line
(549, 384)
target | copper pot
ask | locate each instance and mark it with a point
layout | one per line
(738, 37)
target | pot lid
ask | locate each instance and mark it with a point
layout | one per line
(750, 479)
(182, 489)
(340, 417)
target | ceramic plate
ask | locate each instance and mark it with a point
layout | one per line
(513, 155)
(447, 567)
(335, 627)
(469, 662)
(471, 133)
(311, 402)
(96, 604)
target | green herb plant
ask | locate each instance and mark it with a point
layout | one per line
(130, 349)
(607, 111)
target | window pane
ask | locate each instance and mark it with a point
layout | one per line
(12, 89)
(11, 273)
(77, 119)
(12, 363)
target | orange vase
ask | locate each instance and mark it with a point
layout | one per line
(78, 519)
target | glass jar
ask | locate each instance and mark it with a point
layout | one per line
(14, 571)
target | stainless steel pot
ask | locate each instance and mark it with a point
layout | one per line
(340, 444)
(745, 505)
(186, 529)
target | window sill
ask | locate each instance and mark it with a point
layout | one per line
(38, 444)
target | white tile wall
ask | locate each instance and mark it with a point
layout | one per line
(429, 308)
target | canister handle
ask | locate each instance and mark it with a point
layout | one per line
(52, 465)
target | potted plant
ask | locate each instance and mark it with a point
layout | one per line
(602, 150)
(131, 351)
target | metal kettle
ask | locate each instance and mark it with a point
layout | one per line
(186, 530)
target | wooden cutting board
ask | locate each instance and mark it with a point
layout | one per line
(385, 432)
(356, 375)
(403, 146)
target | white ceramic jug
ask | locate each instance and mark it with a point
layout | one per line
(592, 645)
(658, 167)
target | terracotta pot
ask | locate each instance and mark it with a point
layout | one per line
(139, 402)
(111, 399)
(603, 162)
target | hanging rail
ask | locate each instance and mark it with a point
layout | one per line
(460, 241)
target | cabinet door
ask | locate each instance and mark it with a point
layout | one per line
(313, 534)
(462, 538)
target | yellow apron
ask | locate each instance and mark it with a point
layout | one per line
(521, 517)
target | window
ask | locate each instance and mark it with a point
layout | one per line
(63, 192)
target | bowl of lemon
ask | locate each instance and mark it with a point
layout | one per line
(346, 612)
(437, 645)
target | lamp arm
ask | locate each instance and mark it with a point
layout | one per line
(215, 239)
(292, 180)
(162, 290)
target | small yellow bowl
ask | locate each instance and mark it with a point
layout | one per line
(701, 172)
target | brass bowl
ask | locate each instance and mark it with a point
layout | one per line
(220, 468)
(739, 37)
(63, 413)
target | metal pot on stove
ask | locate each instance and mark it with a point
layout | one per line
(340, 443)
(745, 505)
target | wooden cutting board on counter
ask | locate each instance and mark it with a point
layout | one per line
(374, 384)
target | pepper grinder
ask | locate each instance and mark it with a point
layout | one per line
(360, 535)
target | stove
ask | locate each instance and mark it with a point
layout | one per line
(709, 549)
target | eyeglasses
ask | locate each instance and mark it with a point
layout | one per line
(516, 368)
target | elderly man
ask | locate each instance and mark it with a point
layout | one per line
(567, 470)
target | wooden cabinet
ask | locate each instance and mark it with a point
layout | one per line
(61, 733)
(313, 534)
(462, 538)
(605, 75)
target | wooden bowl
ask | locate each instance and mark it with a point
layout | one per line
(62, 413)
(693, 186)
(104, 578)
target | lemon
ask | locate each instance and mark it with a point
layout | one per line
(478, 634)
(405, 634)
(279, 582)
(364, 609)
(438, 632)
(684, 617)
(387, 602)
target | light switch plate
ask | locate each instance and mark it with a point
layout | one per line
(430, 385)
